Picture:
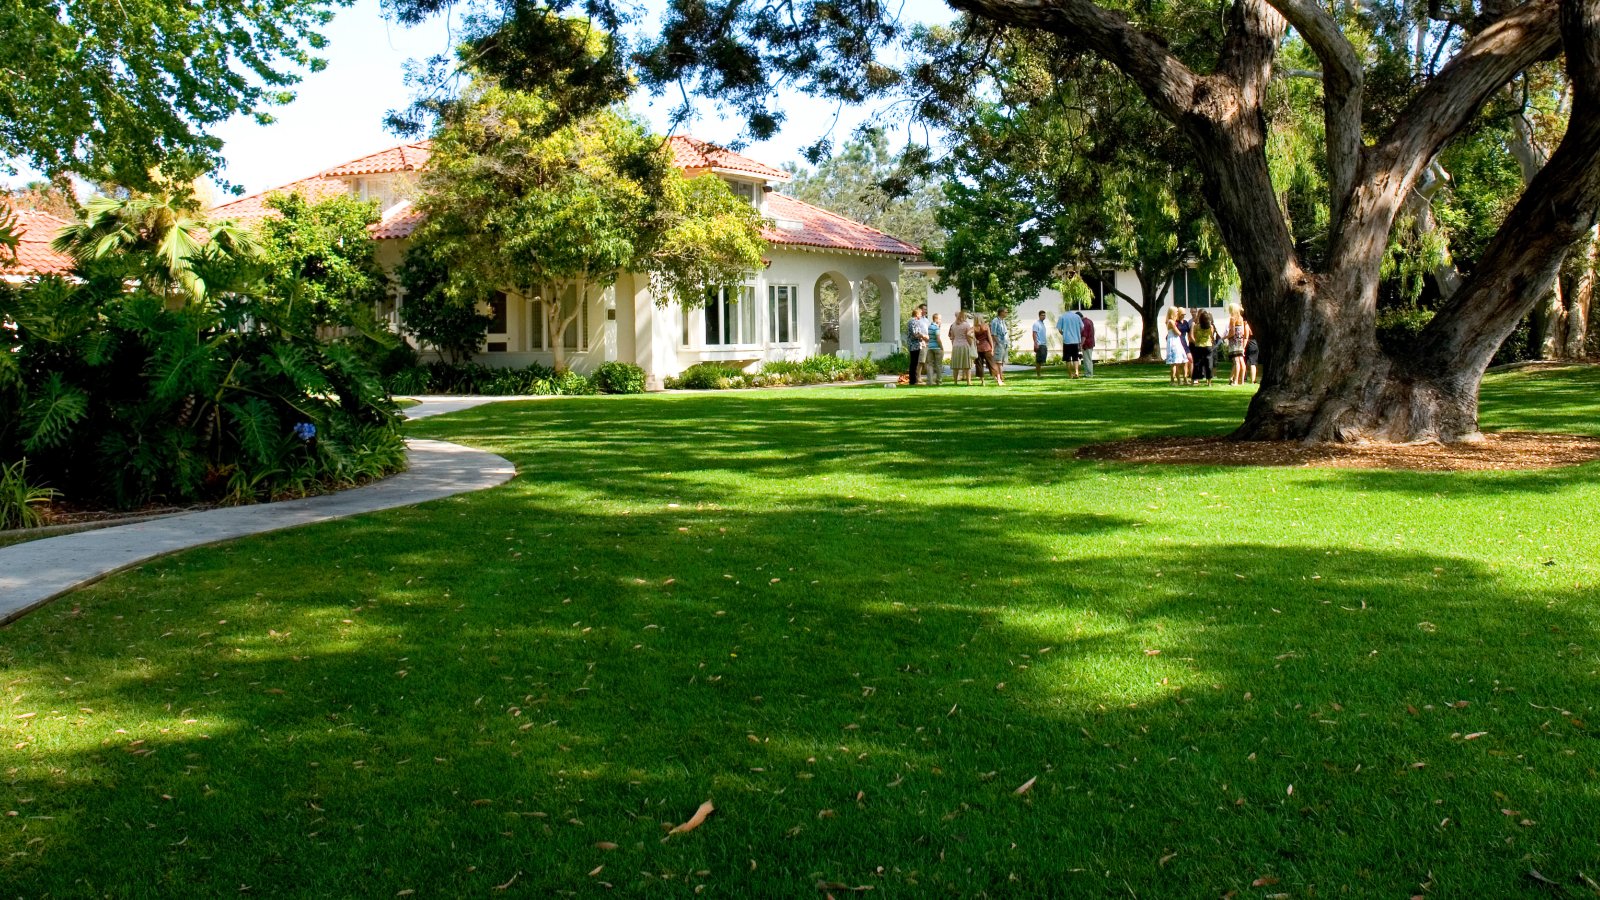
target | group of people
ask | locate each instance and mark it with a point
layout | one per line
(971, 341)
(1190, 343)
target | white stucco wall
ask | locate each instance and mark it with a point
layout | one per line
(1117, 328)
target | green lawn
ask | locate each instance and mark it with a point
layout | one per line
(858, 619)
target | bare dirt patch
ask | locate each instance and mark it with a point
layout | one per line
(1506, 451)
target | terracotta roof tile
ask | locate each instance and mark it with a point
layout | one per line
(694, 155)
(797, 223)
(398, 222)
(403, 158)
(34, 255)
(253, 207)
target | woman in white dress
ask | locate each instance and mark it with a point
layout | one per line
(1175, 348)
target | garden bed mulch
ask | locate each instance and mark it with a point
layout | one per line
(1505, 451)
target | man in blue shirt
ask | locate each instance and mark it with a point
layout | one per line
(1041, 344)
(1071, 327)
(1001, 331)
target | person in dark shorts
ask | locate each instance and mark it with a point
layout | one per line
(1041, 344)
(1252, 360)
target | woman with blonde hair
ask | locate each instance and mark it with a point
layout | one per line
(1176, 347)
(983, 338)
(962, 348)
(1238, 335)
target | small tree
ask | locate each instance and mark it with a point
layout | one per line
(519, 198)
(435, 311)
(320, 257)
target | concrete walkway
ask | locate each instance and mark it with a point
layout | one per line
(439, 404)
(35, 572)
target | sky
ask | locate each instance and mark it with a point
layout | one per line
(338, 113)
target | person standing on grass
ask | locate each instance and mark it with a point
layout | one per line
(1174, 350)
(933, 355)
(1041, 344)
(1088, 345)
(1071, 327)
(1238, 335)
(916, 339)
(1000, 331)
(1185, 326)
(1202, 339)
(983, 340)
(962, 348)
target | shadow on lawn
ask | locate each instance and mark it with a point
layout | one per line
(439, 721)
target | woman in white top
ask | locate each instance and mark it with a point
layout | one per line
(1175, 348)
(962, 348)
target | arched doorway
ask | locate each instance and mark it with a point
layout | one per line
(879, 306)
(834, 302)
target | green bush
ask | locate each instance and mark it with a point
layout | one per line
(619, 378)
(19, 500)
(709, 376)
(896, 363)
(475, 378)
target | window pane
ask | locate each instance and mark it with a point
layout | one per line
(536, 325)
(713, 314)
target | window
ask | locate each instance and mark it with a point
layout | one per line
(1102, 287)
(783, 313)
(744, 190)
(1190, 290)
(497, 313)
(730, 317)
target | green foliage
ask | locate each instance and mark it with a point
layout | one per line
(321, 255)
(437, 310)
(474, 378)
(178, 376)
(619, 378)
(520, 197)
(118, 91)
(19, 499)
(708, 376)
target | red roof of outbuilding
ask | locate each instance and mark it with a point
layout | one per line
(798, 223)
(404, 158)
(35, 231)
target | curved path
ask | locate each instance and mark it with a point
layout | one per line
(36, 572)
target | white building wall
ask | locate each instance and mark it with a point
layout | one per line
(1117, 329)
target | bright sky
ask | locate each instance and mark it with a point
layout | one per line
(338, 113)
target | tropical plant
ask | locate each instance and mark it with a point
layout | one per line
(162, 241)
(19, 499)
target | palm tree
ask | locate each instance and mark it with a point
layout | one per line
(164, 237)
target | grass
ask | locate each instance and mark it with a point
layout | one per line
(859, 620)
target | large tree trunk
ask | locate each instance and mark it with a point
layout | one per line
(1323, 375)
(1152, 296)
(1580, 300)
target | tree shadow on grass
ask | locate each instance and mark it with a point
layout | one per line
(438, 718)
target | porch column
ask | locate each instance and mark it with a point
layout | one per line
(643, 323)
(850, 319)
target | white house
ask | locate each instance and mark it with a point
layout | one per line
(1116, 323)
(777, 314)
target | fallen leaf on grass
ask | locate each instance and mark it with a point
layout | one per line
(1026, 786)
(501, 887)
(840, 886)
(1168, 858)
(1475, 735)
(604, 845)
(1264, 881)
(595, 871)
(1534, 874)
(695, 820)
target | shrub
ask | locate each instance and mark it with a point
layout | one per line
(19, 500)
(619, 378)
(896, 363)
(709, 376)
(474, 378)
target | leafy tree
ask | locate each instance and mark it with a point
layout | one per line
(45, 196)
(321, 256)
(557, 212)
(1210, 75)
(438, 312)
(118, 91)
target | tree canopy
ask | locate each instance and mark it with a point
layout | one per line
(117, 91)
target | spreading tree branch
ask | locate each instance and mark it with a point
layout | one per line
(1342, 84)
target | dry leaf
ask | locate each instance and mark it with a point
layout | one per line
(1026, 786)
(694, 820)
(595, 871)
(604, 845)
(1264, 881)
(1168, 858)
(1475, 735)
(1152, 652)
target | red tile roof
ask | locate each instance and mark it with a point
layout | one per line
(34, 256)
(399, 221)
(797, 223)
(253, 207)
(694, 156)
(404, 158)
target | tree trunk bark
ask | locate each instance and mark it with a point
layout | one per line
(1580, 300)
(1152, 296)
